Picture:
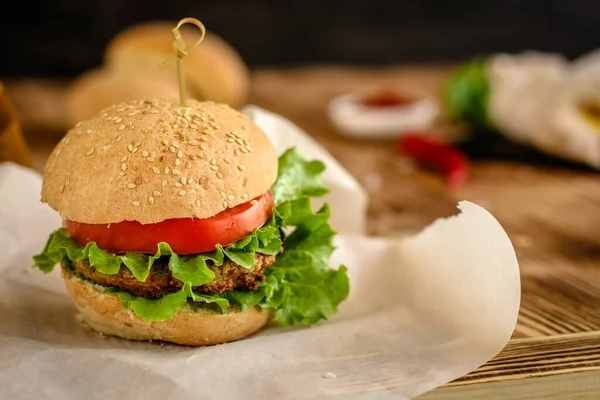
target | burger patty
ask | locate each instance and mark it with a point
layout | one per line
(160, 281)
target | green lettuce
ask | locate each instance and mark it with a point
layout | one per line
(299, 287)
(466, 95)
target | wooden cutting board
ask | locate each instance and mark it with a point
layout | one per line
(550, 210)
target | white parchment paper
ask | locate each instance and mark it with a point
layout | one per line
(422, 311)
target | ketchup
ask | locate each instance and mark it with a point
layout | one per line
(386, 98)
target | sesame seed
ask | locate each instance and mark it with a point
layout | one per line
(175, 145)
(124, 167)
(153, 154)
(239, 141)
(167, 170)
(244, 150)
(177, 184)
(165, 142)
(214, 168)
(157, 193)
(177, 162)
(131, 186)
(183, 180)
(118, 120)
(121, 173)
(220, 175)
(176, 172)
(241, 167)
(230, 197)
(151, 200)
(121, 127)
(130, 147)
(213, 161)
(193, 156)
(156, 170)
(236, 152)
(135, 203)
(180, 154)
(181, 193)
(245, 196)
(188, 165)
(190, 180)
(193, 142)
(223, 194)
(90, 151)
(230, 140)
(67, 140)
(138, 180)
(162, 119)
(124, 158)
(230, 134)
(164, 183)
(68, 182)
(203, 146)
(227, 160)
(118, 139)
(144, 154)
(204, 139)
(136, 167)
(135, 149)
(172, 148)
(62, 188)
(198, 203)
(224, 204)
(206, 131)
(253, 202)
(150, 159)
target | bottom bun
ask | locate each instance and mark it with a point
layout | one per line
(105, 313)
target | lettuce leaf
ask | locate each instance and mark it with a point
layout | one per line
(466, 95)
(299, 287)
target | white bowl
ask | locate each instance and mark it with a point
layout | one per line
(353, 118)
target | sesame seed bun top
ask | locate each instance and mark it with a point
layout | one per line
(153, 160)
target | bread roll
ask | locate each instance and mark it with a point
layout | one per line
(153, 160)
(214, 70)
(101, 87)
(105, 314)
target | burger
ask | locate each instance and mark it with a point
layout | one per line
(182, 224)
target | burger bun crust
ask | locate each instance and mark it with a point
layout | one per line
(105, 314)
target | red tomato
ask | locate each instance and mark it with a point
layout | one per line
(184, 235)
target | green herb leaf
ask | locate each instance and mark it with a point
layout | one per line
(297, 177)
(466, 94)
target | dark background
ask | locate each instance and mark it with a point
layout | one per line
(65, 37)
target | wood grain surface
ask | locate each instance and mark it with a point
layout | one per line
(550, 210)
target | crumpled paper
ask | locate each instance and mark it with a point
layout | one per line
(422, 311)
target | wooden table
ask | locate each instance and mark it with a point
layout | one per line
(551, 211)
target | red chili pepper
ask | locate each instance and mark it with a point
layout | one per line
(438, 155)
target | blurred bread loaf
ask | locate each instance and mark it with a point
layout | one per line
(101, 87)
(213, 70)
(13, 146)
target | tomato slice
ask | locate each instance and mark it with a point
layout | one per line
(184, 235)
